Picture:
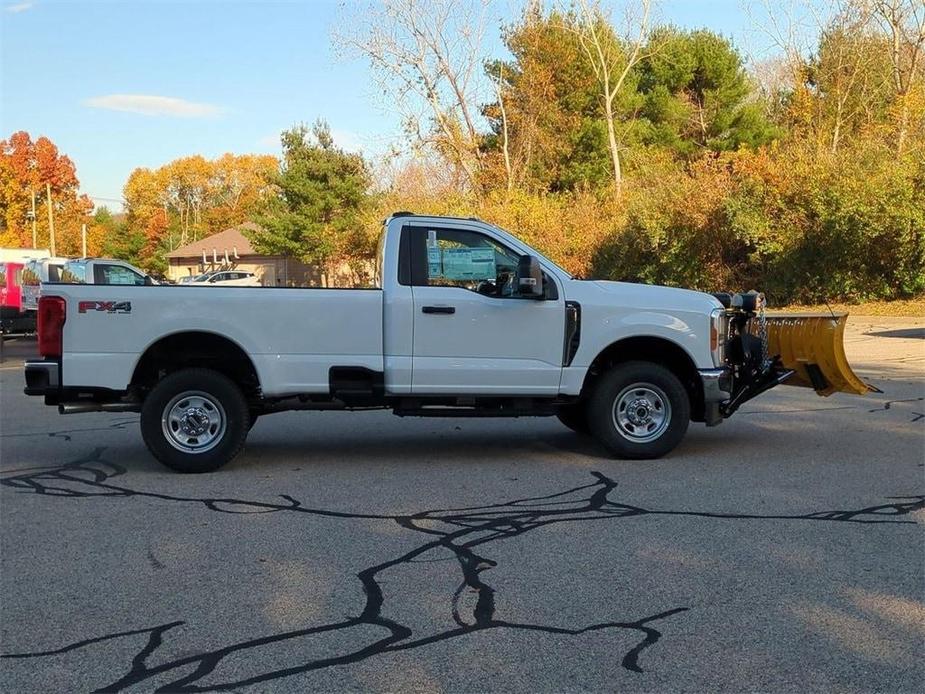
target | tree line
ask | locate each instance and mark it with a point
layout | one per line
(621, 147)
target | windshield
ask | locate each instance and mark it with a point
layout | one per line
(74, 273)
(31, 274)
(543, 258)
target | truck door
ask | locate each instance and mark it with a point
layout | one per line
(472, 334)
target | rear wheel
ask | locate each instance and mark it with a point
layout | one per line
(639, 410)
(195, 420)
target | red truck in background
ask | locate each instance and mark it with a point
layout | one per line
(13, 319)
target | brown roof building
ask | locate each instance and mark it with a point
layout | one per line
(232, 250)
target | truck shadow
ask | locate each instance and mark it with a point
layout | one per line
(377, 435)
(483, 442)
(418, 448)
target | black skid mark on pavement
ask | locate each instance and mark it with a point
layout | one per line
(115, 426)
(67, 434)
(888, 405)
(463, 532)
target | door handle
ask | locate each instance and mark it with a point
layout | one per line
(438, 309)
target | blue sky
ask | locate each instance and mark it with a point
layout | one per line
(232, 74)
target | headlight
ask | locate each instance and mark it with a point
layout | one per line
(719, 327)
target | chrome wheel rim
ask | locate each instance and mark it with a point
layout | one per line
(641, 412)
(194, 422)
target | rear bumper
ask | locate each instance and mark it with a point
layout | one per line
(717, 384)
(42, 377)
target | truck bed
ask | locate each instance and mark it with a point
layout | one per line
(293, 335)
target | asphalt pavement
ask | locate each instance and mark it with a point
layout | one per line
(780, 552)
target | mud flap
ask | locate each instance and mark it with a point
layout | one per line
(812, 346)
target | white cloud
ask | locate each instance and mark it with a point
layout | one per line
(269, 141)
(150, 105)
(19, 7)
(347, 140)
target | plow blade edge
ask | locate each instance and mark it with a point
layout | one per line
(813, 346)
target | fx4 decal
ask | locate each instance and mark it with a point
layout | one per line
(105, 306)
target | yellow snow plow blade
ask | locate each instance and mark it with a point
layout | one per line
(813, 346)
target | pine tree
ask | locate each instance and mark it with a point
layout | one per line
(322, 191)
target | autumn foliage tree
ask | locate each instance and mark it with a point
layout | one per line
(193, 197)
(684, 91)
(546, 115)
(811, 189)
(37, 168)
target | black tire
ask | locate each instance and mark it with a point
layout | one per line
(574, 417)
(653, 415)
(219, 414)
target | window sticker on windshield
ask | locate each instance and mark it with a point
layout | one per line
(433, 261)
(469, 263)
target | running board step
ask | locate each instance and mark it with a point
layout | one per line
(475, 407)
(472, 412)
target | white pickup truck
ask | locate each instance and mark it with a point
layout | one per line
(463, 320)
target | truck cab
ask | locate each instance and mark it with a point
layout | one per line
(103, 271)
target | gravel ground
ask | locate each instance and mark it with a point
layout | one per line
(782, 551)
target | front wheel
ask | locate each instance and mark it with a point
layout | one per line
(639, 410)
(195, 420)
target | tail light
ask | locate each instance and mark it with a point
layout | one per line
(52, 313)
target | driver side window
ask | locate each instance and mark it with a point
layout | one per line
(464, 259)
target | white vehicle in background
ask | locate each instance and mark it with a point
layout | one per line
(35, 273)
(229, 278)
(21, 255)
(103, 271)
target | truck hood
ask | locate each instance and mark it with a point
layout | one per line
(658, 297)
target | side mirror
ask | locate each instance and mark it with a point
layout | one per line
(148, 281)
(530, 278)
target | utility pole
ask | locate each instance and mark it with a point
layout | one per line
(34, 235)
(83, 239)
(51, 219)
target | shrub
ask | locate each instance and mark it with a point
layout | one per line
(801, 225)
